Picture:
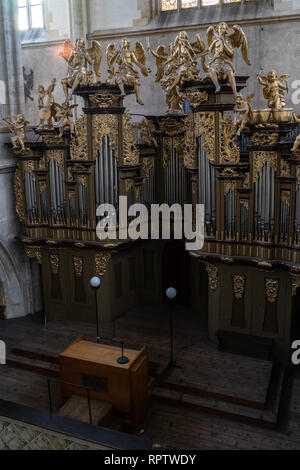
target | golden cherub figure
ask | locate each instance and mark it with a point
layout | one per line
(297, 141)
(274, 89)
(79, 58)
(47, 105)
(244, 109)
(221, 52)
(65, 117)
(17, 125)
(125, 59)
(177, 66)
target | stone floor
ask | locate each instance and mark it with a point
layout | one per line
(168, 425)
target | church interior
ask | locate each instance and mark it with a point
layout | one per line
(136, 343)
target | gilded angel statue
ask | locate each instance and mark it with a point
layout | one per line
(79, 58)
(121, 66)
(221, 52)
(244, 109)
(274, 89)
(177, 66)
(65, 117)
(17, 125)
(47, 105)
(297, 141)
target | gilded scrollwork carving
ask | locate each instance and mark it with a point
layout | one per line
(147, 166)
(104, 100)
(58, 156)
(229, 172)
(272, 289)
(131, 151)
(229, 185)
(228, 148)
(34, 252)
(264, 139)
(204, 124)
(106, 125)
(245, 203)
(298, 177)
(196, 97)
(78, 266)
(79, 146)
(101, 262)
(246, 182)
(285, 197)
(19, 193)
(169, 144)
(172, 127)
(29, 167)
(188, 148)
(212, 272)
(239, 285)
(52, 139)
(83, 180)
(262, 158)
(55, 264)
(285, 169)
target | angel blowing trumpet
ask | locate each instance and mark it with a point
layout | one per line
(121, 66)
(79, 58)
(221, 52)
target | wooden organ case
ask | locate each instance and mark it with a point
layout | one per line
(250, 186)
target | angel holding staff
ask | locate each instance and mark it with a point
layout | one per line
(79, 58)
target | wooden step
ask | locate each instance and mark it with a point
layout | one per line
(267, 418)
(224, 376)
(77, 408)
(38, 355)
(32, 365)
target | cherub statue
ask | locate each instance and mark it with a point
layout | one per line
(274, 89)
(64, 117)
(244, 108)
(79, 58)
(221, 53)
(17, 125)
(297, 141)
(178, 66)
(47, 105)
(147, 128)
(125, 60)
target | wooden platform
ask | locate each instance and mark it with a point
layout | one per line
(207, 372)
(176, 419)
(77, 408)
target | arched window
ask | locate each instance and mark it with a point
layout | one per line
(169, 5)
(31, 15)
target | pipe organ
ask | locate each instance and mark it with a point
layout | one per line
(249, 186)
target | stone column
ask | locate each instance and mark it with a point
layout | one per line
(79, 18)
(11, 71)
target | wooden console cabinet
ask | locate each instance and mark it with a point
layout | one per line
(94, 366)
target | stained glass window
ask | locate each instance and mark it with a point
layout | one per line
(167, 5)
(209, 2)
(189, 3)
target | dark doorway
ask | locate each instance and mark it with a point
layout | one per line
(176, 271)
